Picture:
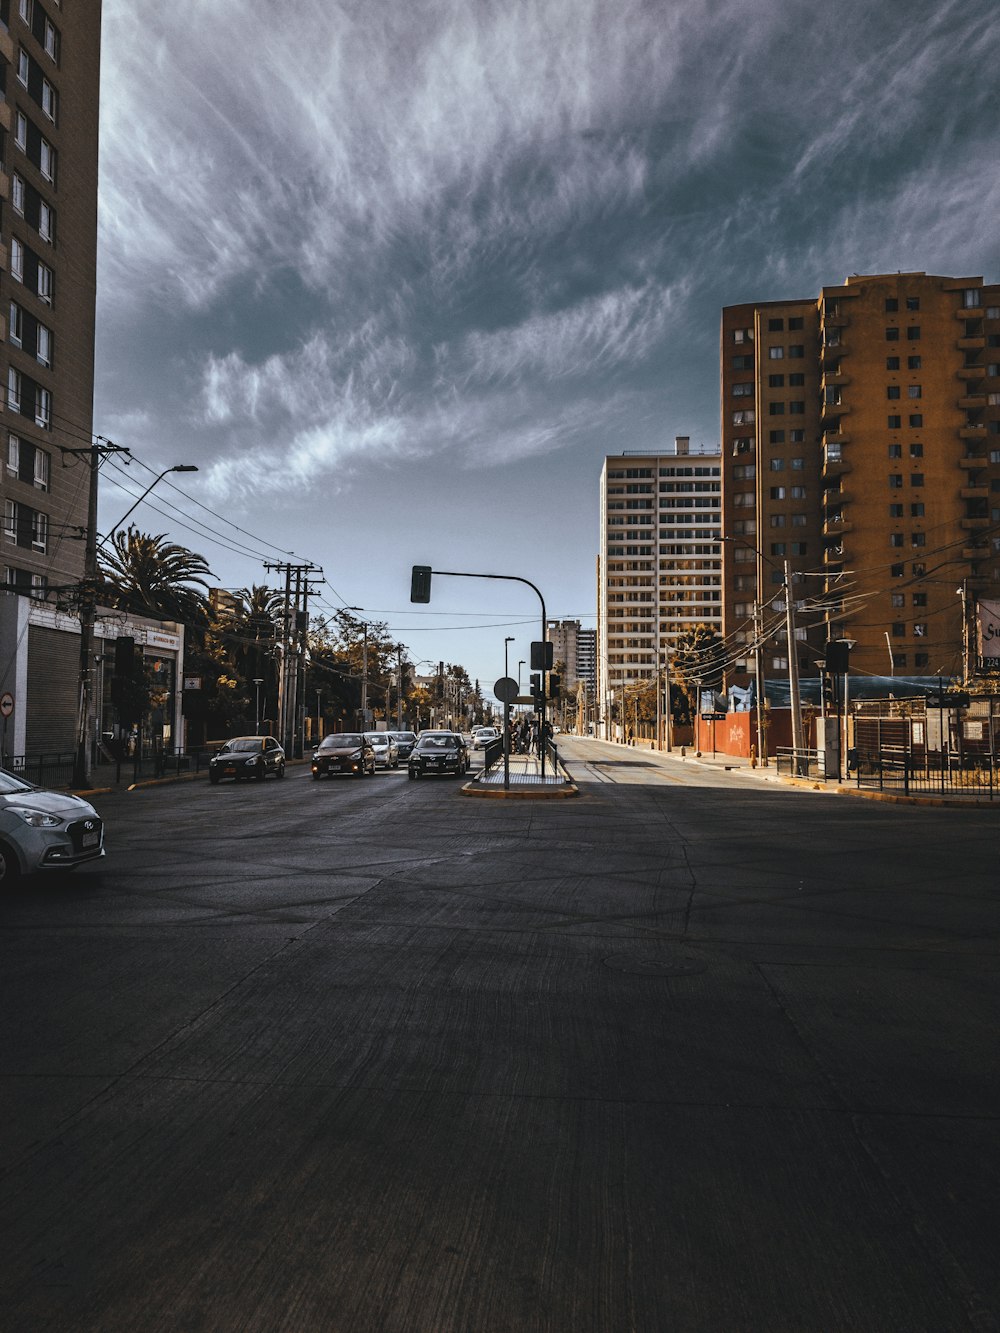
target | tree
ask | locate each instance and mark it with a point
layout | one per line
(150, 576)
(697, 661)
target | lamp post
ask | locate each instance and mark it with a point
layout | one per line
(364, 668)
(258, 682)
(506, 713)
(178, 467)
(319, 718)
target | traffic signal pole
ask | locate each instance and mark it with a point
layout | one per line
(420, 591)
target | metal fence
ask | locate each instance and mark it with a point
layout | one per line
(800, 763)
(44, 770)
(896, 768)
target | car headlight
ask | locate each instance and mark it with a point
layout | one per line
(250, 762)
(37, 818)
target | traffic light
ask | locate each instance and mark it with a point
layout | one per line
(541, 655)
(829, 689)
(838, 656)
(555, 683)
(536, 687)
(420, 583)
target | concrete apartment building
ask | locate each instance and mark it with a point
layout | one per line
(660, 569)
(861, 443)
(49, 85)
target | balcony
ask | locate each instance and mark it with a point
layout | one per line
(974, 524)
(837, 526)
(972, 462)
(836, 322)
(971, 373)
(837, 499)
(972, 401)
(834, 463)
(975, 492)
(835, 350)
(6, 46)
(971, 432)
(976, 552)
(970, 312)
(834, 379)
(971, 344)
(834, 411)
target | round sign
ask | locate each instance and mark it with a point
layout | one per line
(506, 690)
(6, 704)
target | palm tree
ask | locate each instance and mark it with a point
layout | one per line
(150, 576)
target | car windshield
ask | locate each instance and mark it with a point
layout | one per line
(9, 784)
(437, 743)
(243, 745)
(403, 735)
(347, 740)
(378, 738)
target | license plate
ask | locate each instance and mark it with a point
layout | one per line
(91, 840)
(230, 772)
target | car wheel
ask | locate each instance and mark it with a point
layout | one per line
(213, 778)
(261, 773)
(362, 772)
(411, 775)
(280, 770)
(10, 867)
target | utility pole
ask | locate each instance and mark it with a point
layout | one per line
(94, 453)
(793, 678)
(291, 633)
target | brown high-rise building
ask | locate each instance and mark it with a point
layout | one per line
(861, 444)
(49, 85)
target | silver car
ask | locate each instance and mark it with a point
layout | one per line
(44, 830)
(385, 747)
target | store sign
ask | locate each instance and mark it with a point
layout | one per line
(988, 614)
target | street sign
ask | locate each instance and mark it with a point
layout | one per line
(6, 704)
(713, 717)
(505, 690)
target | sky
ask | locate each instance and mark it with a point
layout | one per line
(396, 275)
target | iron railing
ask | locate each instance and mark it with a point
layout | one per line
(895, 768)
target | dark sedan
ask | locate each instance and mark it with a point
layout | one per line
(246, 757)
(439, 752)
(405, 741)
(346, 752)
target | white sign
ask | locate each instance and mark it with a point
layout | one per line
(6, 704)
(989, 628)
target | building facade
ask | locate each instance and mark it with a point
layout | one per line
(861, 444)
(660, 567)
(49, 92)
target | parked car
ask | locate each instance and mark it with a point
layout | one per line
(405, 741)
(482, 736)
(438, 752)
(344, 752)
(44, 830)
(386, 749)
(246, 757)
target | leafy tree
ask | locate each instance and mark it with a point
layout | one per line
(150, 576)
(697, 661)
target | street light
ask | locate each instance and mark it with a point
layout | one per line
(258, 682)
(178, 467)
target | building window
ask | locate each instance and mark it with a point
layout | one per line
(798, 464)
(43, 408)
(918, 539)
(913, 303)
(892, 335)
(742, 363)
(776, 409)
(745, 418)
(778, 548)
(41, 470)
(777, 465)
(43, 352)
(15, 328)
(47, 160)
(39, 531)
(916, 478)
(796, 381)
(892, 391)
(895, 539)
(913, 363)
(21, 130)
(775, 325)
(16, 259)
(913, 333)
(897, 599)
(797, 351)
(916, 420)
(895, 511)
(917, 510)
(916, 451)
(798, 520)
(743, 390)
(798, 492)
(895, 451)
(894, 422)
(799, 548)
(896, 571)
(22, 66)
(49, 100)
(13, 389)
(898, 630)
(45, 283)
(892, 363)
(775, 381)
(51, 42)
(777, 520)
(742, 335)
(776, 437)
(777, 492)
(993, 312)
(797, 409)
(776, 353)
(914, 391)
(891, 305)
(970, 298)
(895, 481)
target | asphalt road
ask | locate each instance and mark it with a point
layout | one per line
(686, 1052)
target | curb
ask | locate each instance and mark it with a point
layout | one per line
(537, 793)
